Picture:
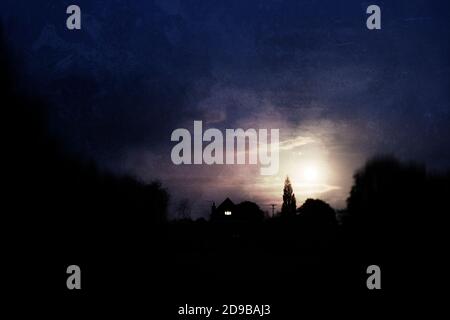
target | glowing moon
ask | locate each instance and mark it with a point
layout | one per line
(311, 173)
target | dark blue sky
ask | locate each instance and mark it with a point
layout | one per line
(137, 70)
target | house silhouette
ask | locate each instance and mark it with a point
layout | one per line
(244, 211)
(226, 210)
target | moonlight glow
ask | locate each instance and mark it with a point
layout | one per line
(311, 173)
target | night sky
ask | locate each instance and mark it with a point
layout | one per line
(338, 92)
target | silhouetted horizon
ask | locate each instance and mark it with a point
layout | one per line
(363, 176)
(115, 91)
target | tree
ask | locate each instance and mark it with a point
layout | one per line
(184, 209)
(316, 212)
(249, 211)
(289, 203)
(389, 205)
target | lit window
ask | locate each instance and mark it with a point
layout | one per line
(228, 213)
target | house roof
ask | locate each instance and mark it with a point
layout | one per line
(226, 204)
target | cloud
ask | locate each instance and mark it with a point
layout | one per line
(142, 69)
(296, 142)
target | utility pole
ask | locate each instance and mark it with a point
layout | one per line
(273, 209)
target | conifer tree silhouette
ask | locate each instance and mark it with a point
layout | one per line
(289, 203)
